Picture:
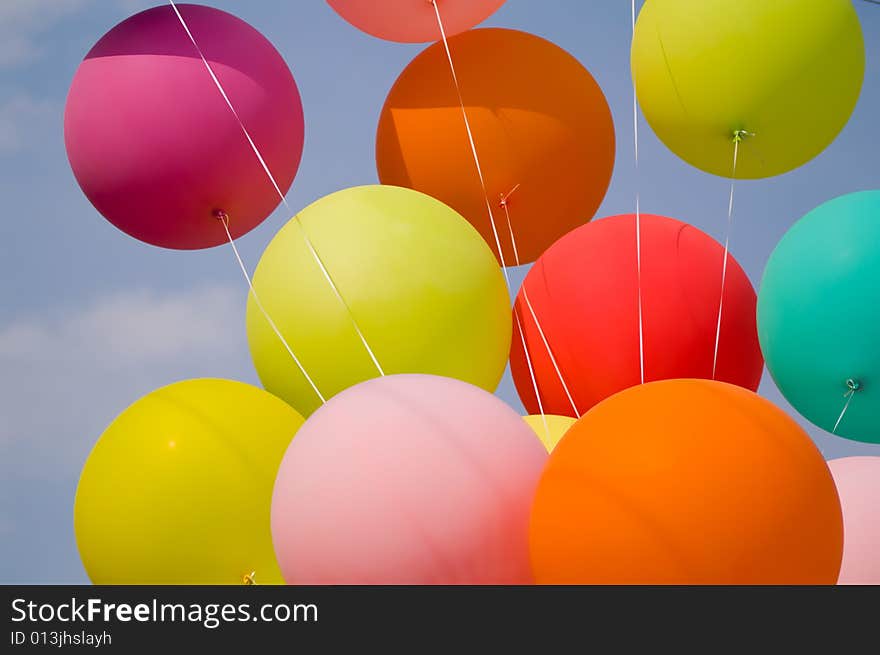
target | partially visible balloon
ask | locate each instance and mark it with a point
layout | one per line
(421, 284)
(686, 482)
(858, 484)
(786, 74)
(408, 479)
(550, 428)
(585, 293)
(152, 142)
(414, 21)
(819, 317)
(542, 128)
(178, 489)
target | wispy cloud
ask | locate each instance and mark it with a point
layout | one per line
(63, 377)
(24, 25)
(22, 119)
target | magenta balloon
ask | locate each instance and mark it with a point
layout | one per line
(408, 479)
(413, 21)
(152, 142)
(858, 485)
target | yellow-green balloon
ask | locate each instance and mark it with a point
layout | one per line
(788, 72)
(178, 489)
(550, 428)
(421, 284)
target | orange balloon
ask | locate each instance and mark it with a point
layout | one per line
(686, 482)
(542, 128)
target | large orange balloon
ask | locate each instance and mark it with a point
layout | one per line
(540, 123)
(686, 482)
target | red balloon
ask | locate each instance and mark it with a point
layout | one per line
(584, 292)
(152, 142)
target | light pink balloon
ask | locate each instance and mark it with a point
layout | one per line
(414, 21)
(408, 479)
(152, 142)
(858, 485)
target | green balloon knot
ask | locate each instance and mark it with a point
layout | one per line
(741, 135)
(853, 385)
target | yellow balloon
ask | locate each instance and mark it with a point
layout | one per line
(781, 75)
(550, 428)
(423, 286)
(178, 489)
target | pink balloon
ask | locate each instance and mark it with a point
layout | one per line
(414, 21)
(858, 485)
(152, 142)
(408, 479)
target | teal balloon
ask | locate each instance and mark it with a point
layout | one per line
(819, 316)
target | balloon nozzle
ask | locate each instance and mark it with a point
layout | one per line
(248, 578)
(741, 135)
(221, 215)
(853, 385)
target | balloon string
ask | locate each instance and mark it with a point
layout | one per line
(638, 216)
(271, 177)
(522, 336)
(224, 220)
(506, 208)
(854, 386)
(737, 138)
(504, 205)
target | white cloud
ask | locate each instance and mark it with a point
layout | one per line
(23, 119)
(65, 375)
(24, 23)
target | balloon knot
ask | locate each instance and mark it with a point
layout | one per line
(248, 578)
(504, 196)
(853, 386)
(741, 135)
(221, 215)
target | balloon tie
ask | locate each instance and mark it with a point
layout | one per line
(853, 386)
(248, 579)
(277, 188)
(741, 135)
(504, 205)
(223, 217)
(638, 215)
(738, 137)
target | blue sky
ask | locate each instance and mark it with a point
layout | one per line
(91, 319)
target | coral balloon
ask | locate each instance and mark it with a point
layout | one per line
(686, 482)
(414, 21)
(585, 293)
(549, 428)
(408, 479)
(152, 142)
(858, 483)
(178, 488)
(542, 128)
(819, 319)
(421, 284)
(787, 77)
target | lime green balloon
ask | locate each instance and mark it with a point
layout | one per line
(178, 490)
(419, 280)
(783, 74)
(819, 316)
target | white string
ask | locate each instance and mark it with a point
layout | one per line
(271, 177)
(843, 413)
(470, 135)
(853, 387)
(736, 141)
(638, 216)
(504, 204)
(522, 337)
(224, 220)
